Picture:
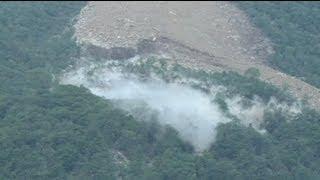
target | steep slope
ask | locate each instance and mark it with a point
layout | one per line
(218, 29)
(52, 131)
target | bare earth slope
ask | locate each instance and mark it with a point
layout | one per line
(198, 34)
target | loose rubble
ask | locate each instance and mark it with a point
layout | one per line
(208, 35)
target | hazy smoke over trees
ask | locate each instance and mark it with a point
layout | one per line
(190, 111)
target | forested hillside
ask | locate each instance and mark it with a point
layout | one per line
(52, 131)
(293, 27)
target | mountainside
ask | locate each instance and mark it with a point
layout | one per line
(159, 110)
(219, 29)
(292, 27)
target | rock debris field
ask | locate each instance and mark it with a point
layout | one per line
(214, 36)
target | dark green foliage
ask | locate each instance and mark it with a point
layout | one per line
(294, 29)
(35, 41)
(252, 73)
(69, 132)
(49, 131)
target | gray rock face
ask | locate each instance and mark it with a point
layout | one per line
(146, 47)
(116, 53)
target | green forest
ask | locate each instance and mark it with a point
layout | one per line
(52, 131)
(293, 28)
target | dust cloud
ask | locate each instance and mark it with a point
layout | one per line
(190, 111)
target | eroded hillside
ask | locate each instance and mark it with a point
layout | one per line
(207, 35)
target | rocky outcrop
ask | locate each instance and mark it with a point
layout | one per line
(116, 53)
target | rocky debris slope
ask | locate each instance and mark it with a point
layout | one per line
(208, 35)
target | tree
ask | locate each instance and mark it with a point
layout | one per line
(252, 73)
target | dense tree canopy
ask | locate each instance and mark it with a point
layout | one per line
(293, 27)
